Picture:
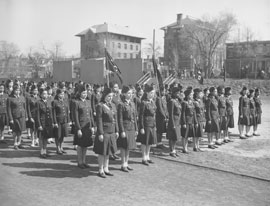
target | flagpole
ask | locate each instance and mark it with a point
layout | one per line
(154, 59)
(106, 63)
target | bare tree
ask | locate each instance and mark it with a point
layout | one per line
(208, 34)
(8, 51)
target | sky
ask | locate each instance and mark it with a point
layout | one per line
(32, 23)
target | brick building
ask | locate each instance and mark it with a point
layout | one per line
(248, 59)
(120, 41)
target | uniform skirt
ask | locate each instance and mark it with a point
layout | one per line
(252, 121)
(259, 118)
(174, 133)
(189, 131)
(128, 142)
(149, 137)
(18, 125)
(246, 119)
(61, 131)
(161, 125)
(46, 133)
(86, 139)
(199, 129)
(207, 127)
(215, 125)
(3, 121)
(223, 123)
(230, 121)
(107, 146)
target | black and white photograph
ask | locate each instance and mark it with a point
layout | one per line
(134, 103)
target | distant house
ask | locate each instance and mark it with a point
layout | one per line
(120, 42)
(248, 59)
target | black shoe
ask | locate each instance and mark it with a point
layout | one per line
(150, 161)
(86, 165)
(21, 147)
(185, 152)
(145, 163)
(195, 150)
(81, 166)
(63, 151)
(102, 175)
(218, 143)
(116, 157)
(43, 156)
(108, 174)
(59, 152)
(211, 147)
(124, 169)
(47, 155)
(229, 140)
(16, 147)
(172, 154)
(243, 137)
(112, 157)
(129, 168)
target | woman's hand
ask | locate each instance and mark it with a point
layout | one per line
(116, 135)
(142, 131)
(40, 128)
(100, 137)
(32, 120)
(123, 134)
(56, 125)
(185, 126)
(79, 133)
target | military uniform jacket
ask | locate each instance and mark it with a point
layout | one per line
(243, 106)
(212, 109)
(127, 116)
(162, 110)
(229, 105)
(31, 106)
(106, 118)
(222, 106)
(252, 106)
(200, 110)
(175, 111)
(16, 107)
(188, 113)
(44, 113)
(83, 114)
(95, 101)
(147, 113)
(116, 99)
(60, 112)
(3, 103)
(258, 104)
(137, 101)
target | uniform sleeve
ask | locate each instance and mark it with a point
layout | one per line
(141, 115)
(160, 108)
(170, 110)
(54, 112)
(76, 116)
(240, 106)
(120, 117)
(116, 121)
(9, 110)
(29, 115)
(38, 114)
(183, 115)
(99, 119)
(207, 108)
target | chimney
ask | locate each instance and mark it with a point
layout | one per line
(179, 18)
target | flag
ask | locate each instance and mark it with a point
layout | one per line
(157, 73)
(111, 66)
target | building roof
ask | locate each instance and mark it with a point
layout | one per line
(111, 28)
(250, 42)
(175, 25)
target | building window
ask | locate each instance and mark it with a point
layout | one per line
(125, 45)
(131, 47)
(137, 47)
(119, 55)
(119, 45)
(125, 55)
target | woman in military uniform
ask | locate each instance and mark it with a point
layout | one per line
(229, 113)
(212, 116)
(84, 126)
(3, 111)
(44, 121)
(244, 113)
(258, 105)
(174, 123)
(200, 114)
(147, 124)
(161, 116)
(128, 129)
(107, 132)
(61, 119)
(253, 113)
(222, 114)
(31, 107)
(16, 110)
(188, 119)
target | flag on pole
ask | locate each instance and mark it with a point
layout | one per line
(112, 67)
(157, 73)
